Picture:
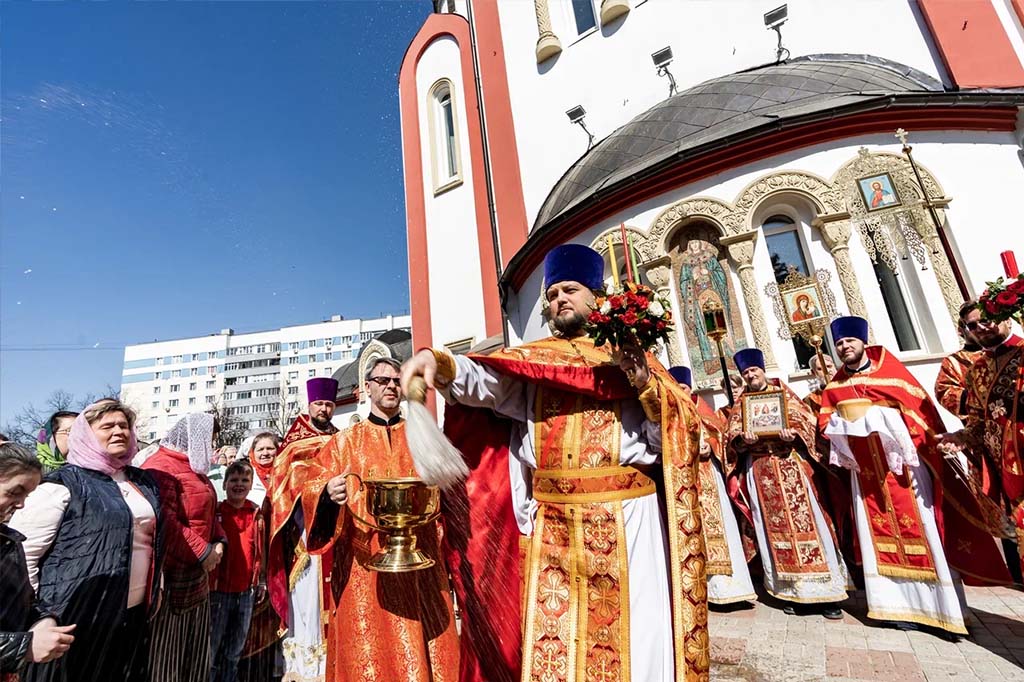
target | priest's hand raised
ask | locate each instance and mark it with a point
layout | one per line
(337, 490)
(424, 365)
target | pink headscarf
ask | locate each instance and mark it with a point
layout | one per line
(85, 451)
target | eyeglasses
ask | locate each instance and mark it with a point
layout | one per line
(384, 381)
(976, 324)
(62, 432)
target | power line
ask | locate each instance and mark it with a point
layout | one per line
(39, 349)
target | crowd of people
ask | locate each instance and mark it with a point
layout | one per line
(606, 506)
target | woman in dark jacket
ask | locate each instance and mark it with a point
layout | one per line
(93, 548)
(21, 644)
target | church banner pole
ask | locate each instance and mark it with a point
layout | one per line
(716, 328)
(725, 372)
(947, 248)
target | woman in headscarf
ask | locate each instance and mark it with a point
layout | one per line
(26, 636)
(180, 646)
(93, 550)
(259, 657)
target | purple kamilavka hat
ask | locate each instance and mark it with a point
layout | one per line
(321, 388)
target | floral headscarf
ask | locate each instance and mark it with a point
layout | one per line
(193, 436)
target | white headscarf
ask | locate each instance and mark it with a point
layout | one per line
(193, 436)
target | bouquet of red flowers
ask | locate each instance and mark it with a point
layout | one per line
(1003, 300)
(633, 316)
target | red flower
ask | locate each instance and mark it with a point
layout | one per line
(991, 308)
(1006, 298)
(1017, 286)
(629, 318)
(661, 326)
(616, 301)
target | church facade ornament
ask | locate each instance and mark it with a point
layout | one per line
(612, 10)
(548, 44)
(659, 274)
(886, 207)
(819, 190)
(741, 251)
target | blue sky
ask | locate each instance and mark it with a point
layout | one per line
(169, 169)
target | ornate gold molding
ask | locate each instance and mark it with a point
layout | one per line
(659, 274)
(836, 236)
(741, 251)
(665, 224)
(820, 191)
(548, 44)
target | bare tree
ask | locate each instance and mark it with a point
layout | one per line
(232, 429)
(281, 418)
(25, 425)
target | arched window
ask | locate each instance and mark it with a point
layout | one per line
(786, 249)
(896, 307)
(444, 137)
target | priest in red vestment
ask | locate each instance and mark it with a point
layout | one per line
(398, 627)
(294, 577)
(795, 536)
(614, 578)
(951, 384)
(919, 529)
(727, 549)
(994, 416)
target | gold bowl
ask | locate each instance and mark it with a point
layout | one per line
(398, 506)
(853, 409)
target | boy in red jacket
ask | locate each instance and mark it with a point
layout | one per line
(238, 581)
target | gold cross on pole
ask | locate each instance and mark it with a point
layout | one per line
(901, 135)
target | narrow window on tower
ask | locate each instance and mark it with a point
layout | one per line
(583, 12)
(446, 166)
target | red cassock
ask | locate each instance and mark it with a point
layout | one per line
(398, 627)
(902, 550)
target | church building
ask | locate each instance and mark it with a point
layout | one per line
(736, 156)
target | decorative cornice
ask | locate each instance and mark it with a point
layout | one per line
(729, 153)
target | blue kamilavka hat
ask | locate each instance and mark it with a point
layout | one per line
(682, 374)
(850, 327)
(748, 357)
(576, 263)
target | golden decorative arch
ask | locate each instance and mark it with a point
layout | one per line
(822, 193)
(659, 236)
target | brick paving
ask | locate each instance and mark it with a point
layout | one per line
(760, 643)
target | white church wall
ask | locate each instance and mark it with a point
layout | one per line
(609, 70)
(980, 217)
(456, 302)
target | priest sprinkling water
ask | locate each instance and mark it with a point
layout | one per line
(569, 450)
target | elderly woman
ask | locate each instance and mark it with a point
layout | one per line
(180, 646)
(20, 473)
(93, 549)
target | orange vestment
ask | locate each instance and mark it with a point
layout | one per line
(286, 554)
(397, 627)
(575, 611)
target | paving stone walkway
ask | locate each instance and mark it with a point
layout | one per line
(760, 643)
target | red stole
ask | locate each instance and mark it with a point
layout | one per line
(292, 465)
(890, 502)
(784, 489)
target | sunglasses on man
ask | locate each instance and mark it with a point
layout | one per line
(384, 381)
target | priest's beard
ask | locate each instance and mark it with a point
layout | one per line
(569, 327)
(321, 425)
